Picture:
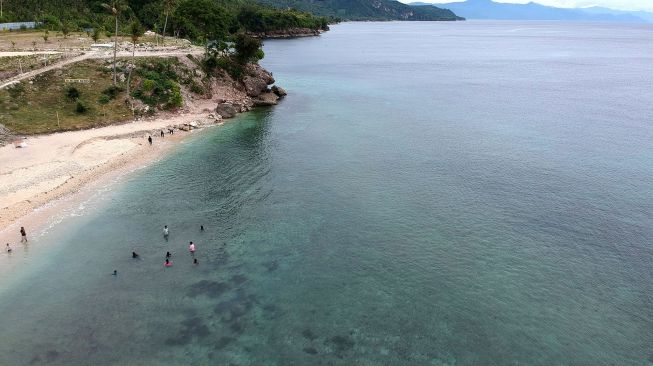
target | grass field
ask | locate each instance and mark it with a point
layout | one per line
(32, 107)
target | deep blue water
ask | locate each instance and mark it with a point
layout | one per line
(474, 193)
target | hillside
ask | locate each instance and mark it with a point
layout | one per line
(366, 9)
(488, 9)
(197, 20)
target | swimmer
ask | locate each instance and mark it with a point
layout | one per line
(168, 255)
(191, 248)
(134, 255)
(8, 248)
(167, 263)
(115, 273)
(195, 262)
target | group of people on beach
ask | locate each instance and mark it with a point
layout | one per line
(171, 131)
(168, 261)
(23, 239)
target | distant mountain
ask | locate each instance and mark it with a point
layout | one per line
(487, 9)
(600, 10)
(366, 9)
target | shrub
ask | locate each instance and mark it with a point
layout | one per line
(72, 93)
(148, 85)
(81, 108)
(104, 99)
(16, 90)
(175, 100)
(112, 91)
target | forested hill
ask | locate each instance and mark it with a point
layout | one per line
(198, 20)
(365, 9)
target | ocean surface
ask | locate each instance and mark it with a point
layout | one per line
(471, 193)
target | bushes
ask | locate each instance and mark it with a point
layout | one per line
(80, 107)
(112, 91)
(248, 48)
(159, 87)
(72, 93)
(16, 90)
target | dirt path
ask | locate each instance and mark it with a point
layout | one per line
(97, 55)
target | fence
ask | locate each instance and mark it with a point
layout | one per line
(17, 25)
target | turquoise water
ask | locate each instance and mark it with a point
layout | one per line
(476, 193)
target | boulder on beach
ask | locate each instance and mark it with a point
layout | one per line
(226, 110)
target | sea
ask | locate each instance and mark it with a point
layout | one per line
(429, 193)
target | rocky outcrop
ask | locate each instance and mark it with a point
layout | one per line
(253, 91)
(256, 80)
(226, 110)
(266, 99)
(288, 33)
(279, 91)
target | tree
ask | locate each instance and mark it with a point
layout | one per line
(248, 48)
(135, 32)
(65, 29)
(115, 8)
(168, 7)
(97, 33)
(202, 20)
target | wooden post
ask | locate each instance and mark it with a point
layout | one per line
(20, 65)
(58, 125)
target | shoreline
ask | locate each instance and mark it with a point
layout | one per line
(63, 164)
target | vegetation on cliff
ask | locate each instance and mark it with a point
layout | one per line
(197, 20)
(365, 9)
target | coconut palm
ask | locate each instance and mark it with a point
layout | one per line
(115, 8)
(168, 7)
(135, 32)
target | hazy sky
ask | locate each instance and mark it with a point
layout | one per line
(614, 4)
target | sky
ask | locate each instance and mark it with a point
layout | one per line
(646, 5)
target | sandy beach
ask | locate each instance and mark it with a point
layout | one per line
(57, 165)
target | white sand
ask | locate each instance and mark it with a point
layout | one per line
(55, 165)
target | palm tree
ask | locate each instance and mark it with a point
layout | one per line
(136, 31)
(115, 8)
(168, 6)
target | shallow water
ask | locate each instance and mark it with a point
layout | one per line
(473, 193)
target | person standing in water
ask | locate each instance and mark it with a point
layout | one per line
(163, 134)
(23, 235)
(166, 232)
(149, 139)
(134, 255)
(8, 248)
(168, 255)
(167, 263)
(201, 227)
(191, 248)
(195, 262)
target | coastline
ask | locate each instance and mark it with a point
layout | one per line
(56, 167)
